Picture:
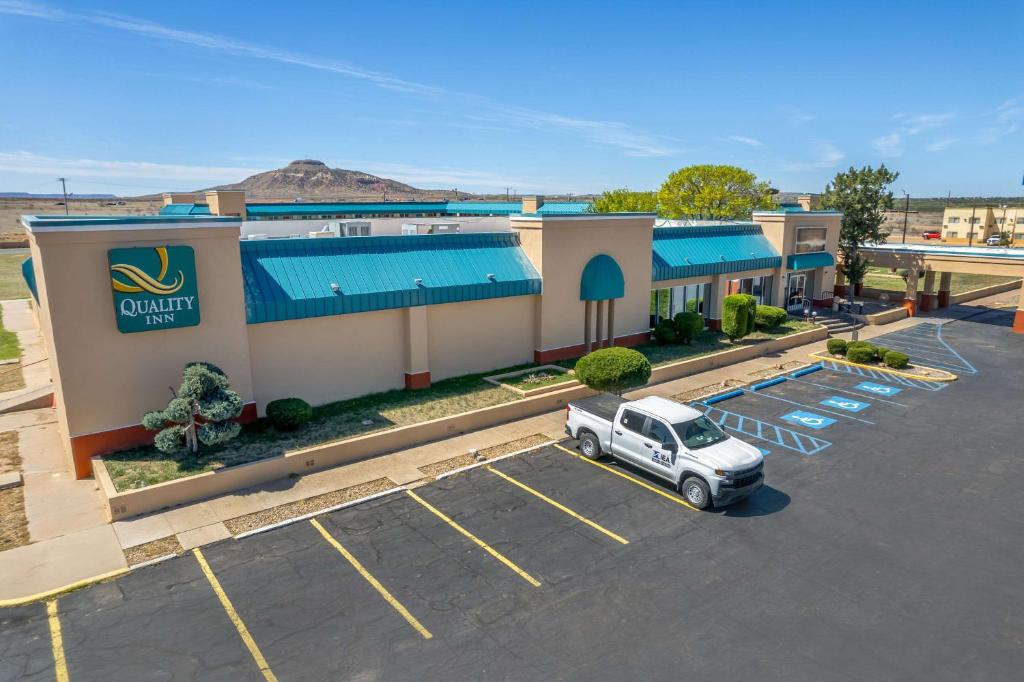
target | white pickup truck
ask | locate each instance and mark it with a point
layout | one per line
(670, 440)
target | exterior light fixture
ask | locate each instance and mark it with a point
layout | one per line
(490, 276)
(335, 287)
(418, 282)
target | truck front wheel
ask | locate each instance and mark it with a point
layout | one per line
(589, 445)
(696, 492)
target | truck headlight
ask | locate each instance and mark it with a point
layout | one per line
(723, 473)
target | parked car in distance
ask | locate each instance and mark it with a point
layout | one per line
(670, 440)
(993, 240)
(932, 234)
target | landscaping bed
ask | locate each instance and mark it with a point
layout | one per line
(714, 342)
(885, 280)
(533, 380)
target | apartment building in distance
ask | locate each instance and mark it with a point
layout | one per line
(975, 224)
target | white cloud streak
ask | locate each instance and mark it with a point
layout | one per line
(890, 145)
(749, 141)
(826, 156)
(34, 164)
(608, 133)
(941, 144)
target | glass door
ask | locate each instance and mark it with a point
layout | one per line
(795, 292)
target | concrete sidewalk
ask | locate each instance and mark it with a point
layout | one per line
(88, 546)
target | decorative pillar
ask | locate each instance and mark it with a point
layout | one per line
(1018, 317)
(839, 289)
(945, 282)
(588, 328)
(713, 303)
(928, 299)
(779, 288)
(611, 322)
(598, 342)
(417, 362)
(910, 299)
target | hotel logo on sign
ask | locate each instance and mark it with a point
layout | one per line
(154, 288)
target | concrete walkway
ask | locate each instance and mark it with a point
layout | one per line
(66, 550)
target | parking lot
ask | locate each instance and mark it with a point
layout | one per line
(886, 544)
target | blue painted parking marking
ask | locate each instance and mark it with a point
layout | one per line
(808, 419)
(847, 404)
(762, 394)
(764, 451)
(887, 377)
(877, 389)
(800, 443)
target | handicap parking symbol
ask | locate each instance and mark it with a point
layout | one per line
(848, 404)
(808, 419)
(877, 389)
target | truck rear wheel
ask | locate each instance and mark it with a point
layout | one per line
(696, 492)
(589, 445)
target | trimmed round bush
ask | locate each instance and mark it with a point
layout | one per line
(738, 311)
(880, 353)
(768, 316)
(288, 414)
(613, 369)
(860, 354)
(665, 333)
(689, 326)
(862, 344)
(896, 359)
(836, 346)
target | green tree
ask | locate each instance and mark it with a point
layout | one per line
(626, 201)
(1005, 239)
(713, 192)
(613, 369)
(202, 410)
(862, 196)
(739, 312)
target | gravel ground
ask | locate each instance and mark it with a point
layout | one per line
(13, 524)
(705, 391)
(775, 370)
(291, 510)
(444, 466)
(152, 550)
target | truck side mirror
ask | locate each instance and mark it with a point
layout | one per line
(670, 447)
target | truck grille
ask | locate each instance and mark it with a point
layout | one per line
(746, 477)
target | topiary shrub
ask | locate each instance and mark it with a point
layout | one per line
(288, 414)
(880, 353)
(738, 313)
(689, 326)
(613, 369)
(202, 411)
(665, 333)
(860, 354)
(896, 359)
(768, 316)
(836, 346)
(862, 344)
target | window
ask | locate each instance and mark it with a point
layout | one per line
(633, 421)
(1000, 221)
(810, 239)
(953, 235)
(954, 220)
(1018, 235)
(975, 221)
(699, 433)
(659, 433)
(1020, 221)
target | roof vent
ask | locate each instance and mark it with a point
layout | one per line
(418, 282)
(335, 287)
(722, 257)
(490, 276)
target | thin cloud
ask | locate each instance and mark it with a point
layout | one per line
(941, 144)
(827, 156)
(918, 123)
(890, 145)
(1003, 120)
(447, 177)
(746, 140)
(35, 164)
(796, 116)
(609, 133)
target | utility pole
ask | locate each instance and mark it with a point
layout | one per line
(64, 187)
(948, 195)
(906, 211)
(506, 194)
(970, 229)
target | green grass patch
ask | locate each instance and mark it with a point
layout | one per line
(886, 280)
(12, 284)
(9, 346)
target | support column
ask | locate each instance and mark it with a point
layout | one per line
(839, 288)
(779, 288)
(588, 326)
(928, 298)
(599, 341)
(417, 362)
(910, 299)
(945, 282)
(713, 304)
(1018, 317)
(611, 322)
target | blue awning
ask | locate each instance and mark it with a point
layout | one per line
(713, 250)
(807, 261)
(602, 279)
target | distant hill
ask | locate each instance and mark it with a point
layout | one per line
(311, 179)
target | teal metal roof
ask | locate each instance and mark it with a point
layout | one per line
(185, 209)
(484, 207)
(806, 261)
(602, 279)
(700, 251)
(288, 279)
(354, 208)
(29, 274)
(565, 208)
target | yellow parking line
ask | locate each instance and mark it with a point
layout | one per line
(60, 665)
(629, 478)
(483, 545)
(395, 604)
(570, 512)
(243, 631)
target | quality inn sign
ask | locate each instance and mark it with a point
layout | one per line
(154, 288)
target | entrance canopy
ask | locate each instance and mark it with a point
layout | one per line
(602, 279)
(807, 261)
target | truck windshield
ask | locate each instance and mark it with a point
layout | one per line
(699, 433)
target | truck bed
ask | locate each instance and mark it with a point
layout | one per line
(602, 405)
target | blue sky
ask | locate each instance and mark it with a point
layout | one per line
(140, 97)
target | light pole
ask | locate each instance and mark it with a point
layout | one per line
(970, 229)
(906, 211)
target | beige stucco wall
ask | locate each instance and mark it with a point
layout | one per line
(780, 230)
(323, 359)
(105, 379)
(560, 247)
(477, 336)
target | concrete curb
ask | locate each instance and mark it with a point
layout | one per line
(474, 465)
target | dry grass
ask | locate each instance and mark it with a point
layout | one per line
(11, 378)
(444, 466)
(13, 524)
(283, 512)
(776, 370)
(10, 458)
(152, 550)
(11, 211)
